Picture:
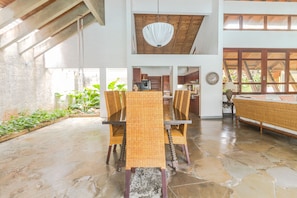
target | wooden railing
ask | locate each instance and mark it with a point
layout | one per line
(278, 116)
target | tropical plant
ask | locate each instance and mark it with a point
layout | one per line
(25, 121)
(115, 85)
(86, 99)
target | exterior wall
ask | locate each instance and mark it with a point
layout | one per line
(25, 83)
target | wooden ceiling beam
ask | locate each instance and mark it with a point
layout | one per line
(61, 36)
(17, 9)
(53, 27)
(97, 9)
(36, 21)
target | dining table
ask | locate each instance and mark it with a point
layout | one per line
(172, 117)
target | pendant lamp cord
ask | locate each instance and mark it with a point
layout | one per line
(158, 12)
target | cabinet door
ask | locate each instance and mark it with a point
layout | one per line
(181, 80)
(144, 76)
(194, 105)
(155, 82)
(136, 75)
(192, 77)
(166, 83)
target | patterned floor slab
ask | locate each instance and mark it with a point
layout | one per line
(67, 159)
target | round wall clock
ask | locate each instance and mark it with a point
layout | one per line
(212, 78)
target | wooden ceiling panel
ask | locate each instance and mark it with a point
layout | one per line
(4, 3)
(186, 28)
(37, 9)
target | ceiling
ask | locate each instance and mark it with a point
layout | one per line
(57, 19)
(186, 28)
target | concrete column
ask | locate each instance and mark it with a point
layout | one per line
(103, 112)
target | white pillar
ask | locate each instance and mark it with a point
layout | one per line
(103, 112)
(174, 78)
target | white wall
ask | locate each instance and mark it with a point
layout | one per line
(211, 95)
(248, 7)
(104, 46)
(260, 39)
(207, 41)
(199, 7)
(256, 38)
(110, 46)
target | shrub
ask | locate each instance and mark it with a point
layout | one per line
(23, 121)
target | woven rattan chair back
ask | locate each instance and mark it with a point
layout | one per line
(116, 132)
(117, 99)
(123, 98)
(186, 103)
(145, 146)
(179, 134)
(111, 107)
(176, 92)
(179, 101)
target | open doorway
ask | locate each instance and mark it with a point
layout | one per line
(188, 79)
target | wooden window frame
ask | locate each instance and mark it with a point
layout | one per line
(240, 18)
(264, 61)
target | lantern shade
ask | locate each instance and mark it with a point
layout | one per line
(158, 34)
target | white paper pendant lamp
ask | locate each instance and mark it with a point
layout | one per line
(158, 34)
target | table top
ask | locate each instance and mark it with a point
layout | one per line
(172, 116)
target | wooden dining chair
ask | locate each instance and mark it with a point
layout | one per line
(116, 132)
(185, 106)
(179, 134)
(123, 98)
(117, 99)
(179, 100)
(111, 107)
(174, 103)
(145, 145)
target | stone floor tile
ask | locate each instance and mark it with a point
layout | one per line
(67, 159)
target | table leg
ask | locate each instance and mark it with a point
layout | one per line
(172, 149)
(123, 151)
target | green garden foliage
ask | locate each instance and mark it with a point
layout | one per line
(86, 99)
(81, 101)
(90, 97)
(24, 121)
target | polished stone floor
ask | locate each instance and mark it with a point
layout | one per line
(67, 159)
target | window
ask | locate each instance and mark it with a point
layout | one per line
(231, 68)
(261, 70)
(251, 72)
(276, 67)
(292, 72)
(293, 23)
(260, 22)
(232, 22)
(277, 22)
(252, 22)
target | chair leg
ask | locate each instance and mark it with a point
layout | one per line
(108, 154)
(164, 184)
(187, 153)
(127, 184)
(115, 148)
(183, 148)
